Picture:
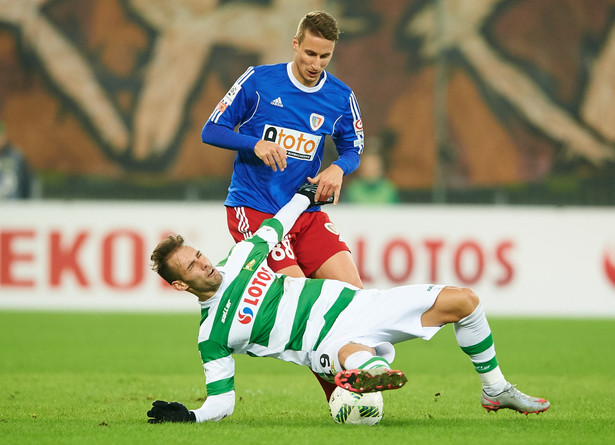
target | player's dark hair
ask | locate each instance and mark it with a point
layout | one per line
(320, 24)
(161, 254)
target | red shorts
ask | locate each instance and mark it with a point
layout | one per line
(311, 241)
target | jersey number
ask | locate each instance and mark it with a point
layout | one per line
(283, 250)
(325, 362)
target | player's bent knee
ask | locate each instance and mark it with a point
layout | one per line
(470, 301)
(451, 305)
(461, 302)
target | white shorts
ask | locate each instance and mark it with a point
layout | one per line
(378, 319)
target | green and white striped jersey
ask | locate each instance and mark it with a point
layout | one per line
(259, 313)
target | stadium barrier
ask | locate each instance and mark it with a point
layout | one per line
(522, 261)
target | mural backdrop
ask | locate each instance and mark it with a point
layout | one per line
(121, 88)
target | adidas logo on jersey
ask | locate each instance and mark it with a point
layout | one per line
(277, 102)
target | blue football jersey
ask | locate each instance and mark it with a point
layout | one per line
(267, 102)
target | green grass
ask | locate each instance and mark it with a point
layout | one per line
(89, 378)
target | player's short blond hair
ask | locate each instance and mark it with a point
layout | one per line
(320, 24)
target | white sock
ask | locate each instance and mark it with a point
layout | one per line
(474, 337)
(493, 381)
(365, 360)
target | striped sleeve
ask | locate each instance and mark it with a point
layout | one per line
(270, 231)
(219, 367)
(348, 136)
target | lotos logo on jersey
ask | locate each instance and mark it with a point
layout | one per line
(252, 297)
(245, 315)
(298, 145)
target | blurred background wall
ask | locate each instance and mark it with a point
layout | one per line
(491, 101)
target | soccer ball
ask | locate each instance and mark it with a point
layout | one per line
(357, 409)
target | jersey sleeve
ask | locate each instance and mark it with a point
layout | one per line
(237, 105)
(348, 137)
(219, 367)
(224, 137)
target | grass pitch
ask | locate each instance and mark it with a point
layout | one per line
(89, 378)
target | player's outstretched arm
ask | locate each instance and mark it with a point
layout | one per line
(272, 230)
(215, 408)
(300, 202)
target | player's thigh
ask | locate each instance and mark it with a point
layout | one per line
(291, 271)
(317, 241)
(341, 267)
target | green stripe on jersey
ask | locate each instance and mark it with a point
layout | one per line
(211, 350)
(232, 296)
(224, 317)
(223, 262)
(307, 298)
(221, 386)
(276, 225)
(265, 318)
(228, 305)
(340, 304)
(204, 314)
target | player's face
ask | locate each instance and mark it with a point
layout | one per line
(195, 270)
(312, 56)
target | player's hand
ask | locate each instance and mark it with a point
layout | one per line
(329, 183)
(309, 190)
(272, 154)
(169, 412)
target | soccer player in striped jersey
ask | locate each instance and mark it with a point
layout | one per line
(283, 113)
(343, 333)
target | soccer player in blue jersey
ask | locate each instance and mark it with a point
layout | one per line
(282, 114)
(341, 332)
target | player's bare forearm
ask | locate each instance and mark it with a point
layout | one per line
(329, 183)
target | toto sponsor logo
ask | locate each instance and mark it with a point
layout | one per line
(298, 145)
